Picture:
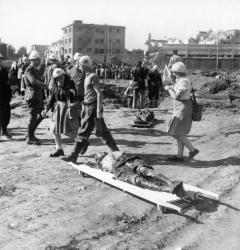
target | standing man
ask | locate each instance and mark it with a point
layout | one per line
(34, 96)
(5, 98)
(174, 59)
(91, 113)
(139, 75)
(154, 85)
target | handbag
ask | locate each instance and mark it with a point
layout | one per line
(197, 108)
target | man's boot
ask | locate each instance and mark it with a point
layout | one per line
(74, 155)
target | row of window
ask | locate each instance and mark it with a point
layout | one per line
(89, 50)
(99, 30)
(97, 40)
(97, 51)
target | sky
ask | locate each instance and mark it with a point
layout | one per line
(27, 22)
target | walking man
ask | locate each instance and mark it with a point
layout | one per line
(91, 112)
(34, 96)
(5, 98)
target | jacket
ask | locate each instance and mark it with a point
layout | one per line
(34, 88)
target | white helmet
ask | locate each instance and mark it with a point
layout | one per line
(86, 61)
(77, 56)
(58, 72)
(179, 67)
(34, 55)
(52, 57)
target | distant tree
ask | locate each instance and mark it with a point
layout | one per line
(22, 51)
(10, 51)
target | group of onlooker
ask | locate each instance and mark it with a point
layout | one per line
(76, 101)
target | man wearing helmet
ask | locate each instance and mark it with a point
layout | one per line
(34, 96)
(91, 112)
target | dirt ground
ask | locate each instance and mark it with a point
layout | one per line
(45, 204)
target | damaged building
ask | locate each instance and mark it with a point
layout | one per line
(209, 50)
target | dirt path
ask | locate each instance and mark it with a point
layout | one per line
(45, 204)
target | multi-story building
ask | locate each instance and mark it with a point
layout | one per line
(91, 39)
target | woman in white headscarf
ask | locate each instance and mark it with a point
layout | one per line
(181, 122)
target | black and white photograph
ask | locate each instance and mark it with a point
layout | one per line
(119, 125)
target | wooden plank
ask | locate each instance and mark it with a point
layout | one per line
(156, 197)
(201, 191)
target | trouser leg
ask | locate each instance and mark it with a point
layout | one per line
(32, 122)
(187, 143)
(5, 117)
(108, 139)
(37, 122)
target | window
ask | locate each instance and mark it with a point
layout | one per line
(70, 50)
(97, 30)
(102, 31)
(79, 49)
(79, 28)
(65, 31)
(66, 40)
(101, 51)
(117, 50)
(70, 29)
(66, 51)
(118, 30)
(79, 39)
(110, 40)
(96, 51)
(70, 40)
(101, 41)
(118, 40)
(89, 49)
(110, 30)
(96, 41)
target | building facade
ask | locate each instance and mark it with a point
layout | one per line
(90, 39)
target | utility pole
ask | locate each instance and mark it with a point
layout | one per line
(217, 52)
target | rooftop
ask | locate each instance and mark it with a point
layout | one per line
(79, 22)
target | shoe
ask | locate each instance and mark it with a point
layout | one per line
(175, 159)
(32, 141)
(193, 154)
(70, 158)
(58, 153)
(84, 148)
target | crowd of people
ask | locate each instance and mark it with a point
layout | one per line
(75, 98)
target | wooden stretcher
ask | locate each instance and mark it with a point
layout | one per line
(163, 200)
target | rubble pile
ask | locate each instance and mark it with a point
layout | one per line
(223, 81)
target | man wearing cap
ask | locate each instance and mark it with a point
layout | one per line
(78, 77)
(34, 96)
(5, 98)
(91, 113)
